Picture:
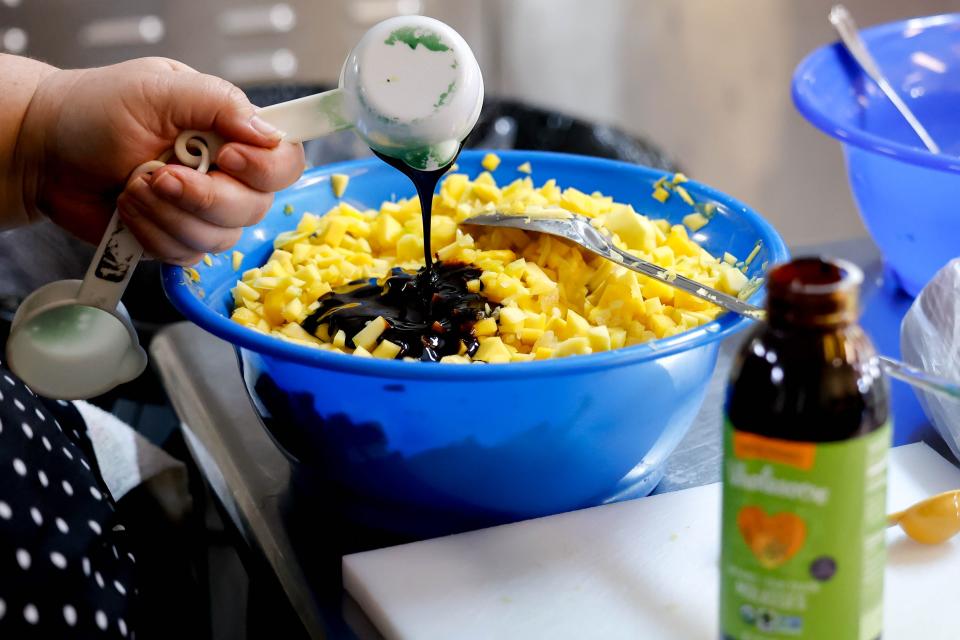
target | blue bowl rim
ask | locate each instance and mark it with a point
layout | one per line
(803, 98)
(194, 309)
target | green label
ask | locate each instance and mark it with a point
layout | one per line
(803, 537)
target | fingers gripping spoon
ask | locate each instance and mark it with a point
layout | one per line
(74, 339)
(411, 89)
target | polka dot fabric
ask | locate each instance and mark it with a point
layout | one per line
(65, 569)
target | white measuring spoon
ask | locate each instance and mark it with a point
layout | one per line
(73, 339)
(411, 88)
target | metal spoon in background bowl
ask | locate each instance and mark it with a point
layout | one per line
(846, 28)
(577, 229)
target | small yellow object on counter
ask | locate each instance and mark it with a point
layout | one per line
(339, 182)
(207, 260)
(236, 260)
(490, 162)
(525, 168)
(547, 298)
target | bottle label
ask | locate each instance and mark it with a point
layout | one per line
(803, 537)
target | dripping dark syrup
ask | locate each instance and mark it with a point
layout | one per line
(429, 313)
(425, 183)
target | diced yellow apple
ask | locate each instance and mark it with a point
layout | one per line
(635, 230)
(695, 221)
(386, 350)
(485, 327)
(367, 337)
(490, 162)
(338, 182)
(732, 280)
(492, 350)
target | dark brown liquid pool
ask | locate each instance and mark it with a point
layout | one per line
(429, 314)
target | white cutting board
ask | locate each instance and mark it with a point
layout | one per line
(645, 568)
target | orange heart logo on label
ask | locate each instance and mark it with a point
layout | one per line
(772, 539)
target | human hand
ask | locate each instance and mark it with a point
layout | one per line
(86, 130)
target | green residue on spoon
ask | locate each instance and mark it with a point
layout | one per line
(412, 37)
(331, 105)
(446, 94)
(424, 158)
(70, 322)
(418, 158)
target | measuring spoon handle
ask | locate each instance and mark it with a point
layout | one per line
(111, 268)
(309, 117)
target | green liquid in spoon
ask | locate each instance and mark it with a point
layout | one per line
(69, 351)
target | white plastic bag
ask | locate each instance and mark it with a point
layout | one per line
(930, 340)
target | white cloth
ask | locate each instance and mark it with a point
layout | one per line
(127, 459)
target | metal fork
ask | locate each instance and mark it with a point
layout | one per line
(579, 230)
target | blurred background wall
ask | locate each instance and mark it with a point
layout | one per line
(708, 80)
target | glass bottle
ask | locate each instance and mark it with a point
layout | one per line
(806, 436)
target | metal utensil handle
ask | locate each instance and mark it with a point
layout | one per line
(846, 28)
(919, 378)
(694, 288)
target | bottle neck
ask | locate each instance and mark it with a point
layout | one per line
(813, 294)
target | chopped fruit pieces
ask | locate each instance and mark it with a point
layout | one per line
(732, 281)
(525, 168)
(490, 162)
(684, 195)
(492, 350)
(339, 182)
(695, 221)
(753, 254)
(546, 298)
(386, 350)
(367, 337)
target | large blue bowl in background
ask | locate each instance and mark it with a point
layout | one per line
(467, 445)
(907, 196)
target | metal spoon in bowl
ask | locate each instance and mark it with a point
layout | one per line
(579, 230)
(846, 28)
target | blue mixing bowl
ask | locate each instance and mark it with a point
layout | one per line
(478, 443)
(906, 195)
